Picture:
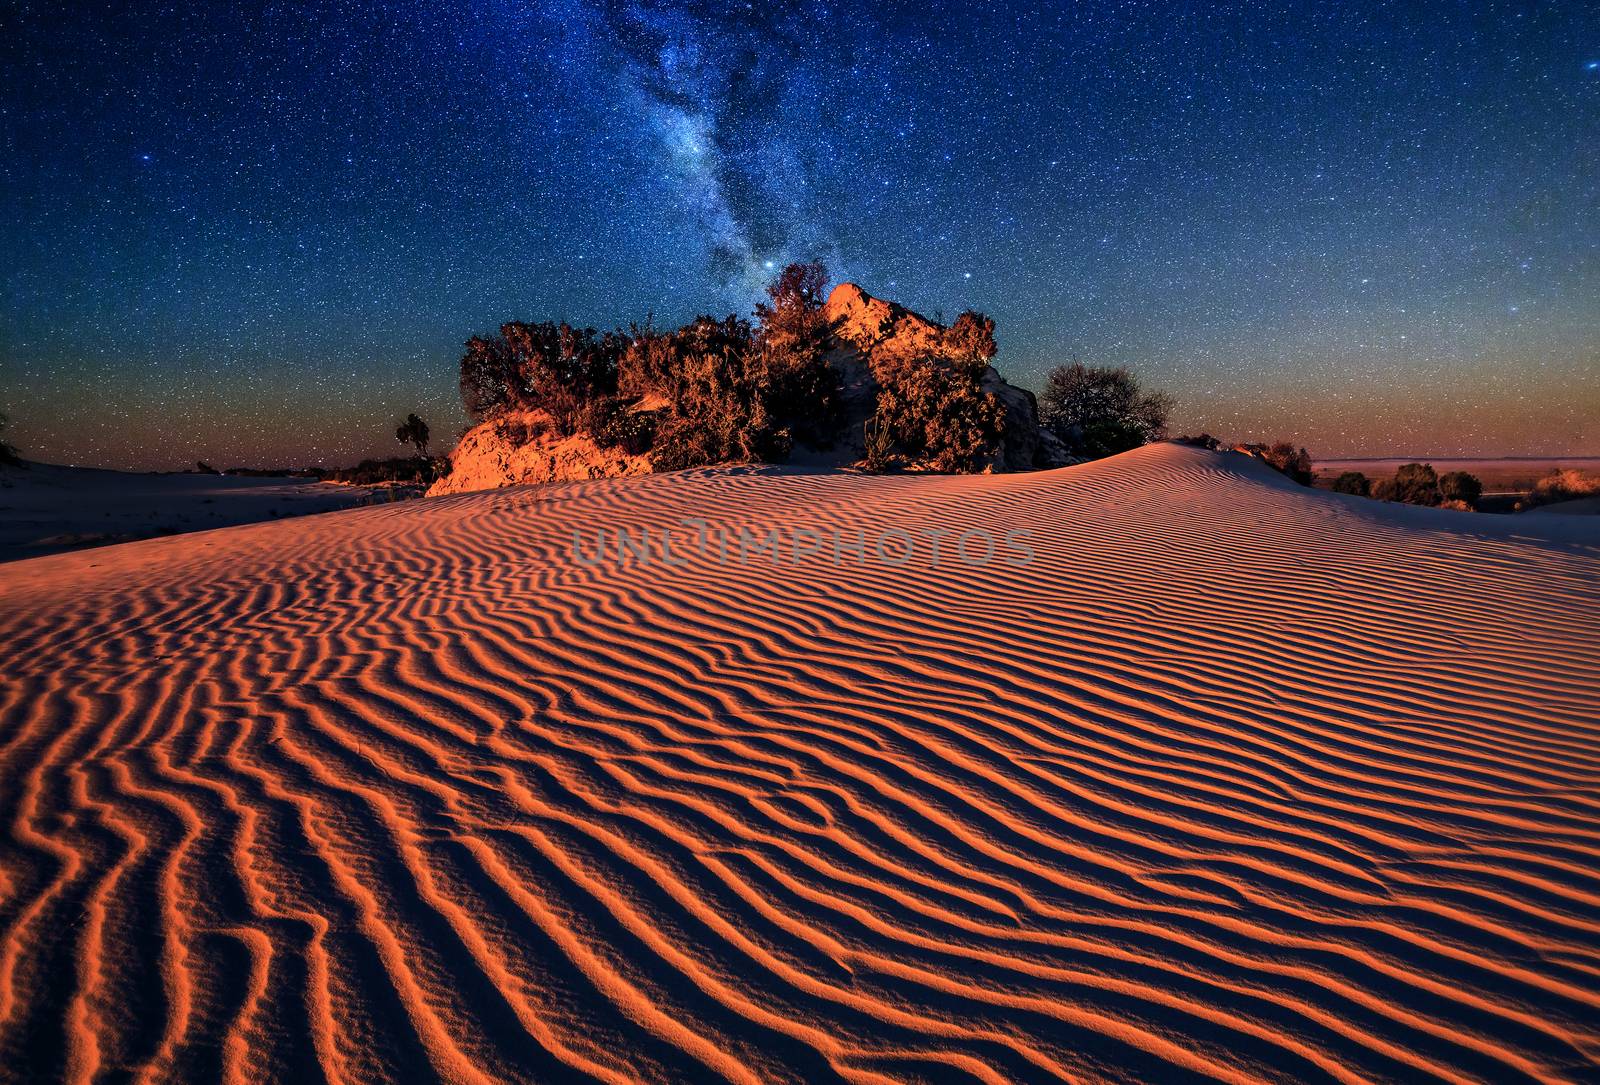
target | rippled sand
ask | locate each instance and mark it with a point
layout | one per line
(1235, 781)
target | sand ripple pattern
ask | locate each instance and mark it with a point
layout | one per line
(1235, 782)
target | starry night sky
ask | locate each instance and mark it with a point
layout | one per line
(259, 235)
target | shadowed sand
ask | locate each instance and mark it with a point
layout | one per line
(1237, 781)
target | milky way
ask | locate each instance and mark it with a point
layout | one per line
(260, 235)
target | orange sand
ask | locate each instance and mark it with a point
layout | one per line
(1237, 781)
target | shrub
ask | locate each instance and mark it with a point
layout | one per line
(879, 442)
(553, 367)
(1413, 483)
(412, 469)
(718, 387)
(613, 423)
(1352, 482)
(801, 389)
(1564, 484)
(1204, 440)
(1100, 411)
(935, 410)
(8, 452)
(1460, 487)
(414, 432)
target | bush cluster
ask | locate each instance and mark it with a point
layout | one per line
(420, 470)
(1563, 484)
(932, 408)
(1352, 482)
(1281, 456)
(1420, 484)
(722, 389)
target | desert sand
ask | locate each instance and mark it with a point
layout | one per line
(1235, 781)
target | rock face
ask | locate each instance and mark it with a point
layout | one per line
(872, 328)
(523, 447)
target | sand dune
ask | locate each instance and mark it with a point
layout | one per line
(1235, 781)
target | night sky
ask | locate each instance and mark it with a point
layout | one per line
(259, 234)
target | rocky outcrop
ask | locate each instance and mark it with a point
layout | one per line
(870, 328)
(522, 446)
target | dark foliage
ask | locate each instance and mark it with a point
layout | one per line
(1460, 486)
(414, 432)
(419, 470)
(792, 337)
(1352, 482)
(614, 423)
(1288, 460)
(1098, 411)
(8, 452)
(1204, 440)
(553, 367)
(1413, 484)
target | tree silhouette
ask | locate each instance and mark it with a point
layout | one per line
(1413, 483)
(8, 452)
(1460, 486)
(1352, 482)
(1098, 411)
(413, 431)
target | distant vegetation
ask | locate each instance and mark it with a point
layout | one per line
(1420, 484)
(8, 452)
(413, 470)
(1413, 484)
(1352, 482)
(1563, 484)
(1281, 456)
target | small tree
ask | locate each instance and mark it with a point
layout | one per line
(1413, 483)
(1353, 482)
(414, 432)
(791, 339)
(1460, 486)
(8, 452)
(1098, 411)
